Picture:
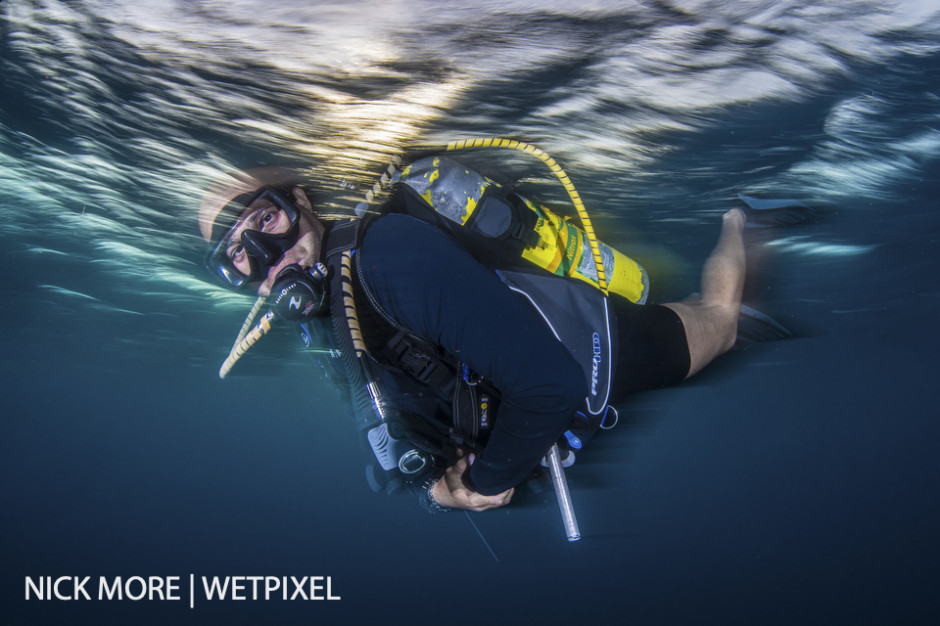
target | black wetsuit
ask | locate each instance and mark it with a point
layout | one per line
(430, 285)
(427, 283)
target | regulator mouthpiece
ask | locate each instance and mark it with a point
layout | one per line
(298, 294)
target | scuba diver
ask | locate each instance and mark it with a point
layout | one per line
(473, 326)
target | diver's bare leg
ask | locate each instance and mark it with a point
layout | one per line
(711, 323)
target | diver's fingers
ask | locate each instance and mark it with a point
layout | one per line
(479, 502)
(451, 492)
(461, 465)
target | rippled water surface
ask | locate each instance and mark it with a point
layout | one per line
(794, 482)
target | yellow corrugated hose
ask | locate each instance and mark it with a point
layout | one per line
(242, 346)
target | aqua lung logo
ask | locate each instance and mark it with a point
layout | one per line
(597, 363)
(297, 301)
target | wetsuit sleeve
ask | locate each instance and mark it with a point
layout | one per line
(430, 285)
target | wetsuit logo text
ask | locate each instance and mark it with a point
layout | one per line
(595, 370)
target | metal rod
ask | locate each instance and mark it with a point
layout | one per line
(561, 492)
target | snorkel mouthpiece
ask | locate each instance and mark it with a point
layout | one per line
(299, 295)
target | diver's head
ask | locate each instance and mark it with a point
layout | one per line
(255, 228)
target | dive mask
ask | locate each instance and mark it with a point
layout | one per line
(262, 245)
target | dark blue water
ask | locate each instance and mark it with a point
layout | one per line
(792, 482)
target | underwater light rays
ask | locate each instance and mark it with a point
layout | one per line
(139, 148)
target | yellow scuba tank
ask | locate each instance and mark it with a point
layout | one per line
(473, 203)
(564, 250)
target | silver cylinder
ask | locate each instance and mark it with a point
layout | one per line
(561, 492)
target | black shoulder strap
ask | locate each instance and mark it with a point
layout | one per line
(342, 236)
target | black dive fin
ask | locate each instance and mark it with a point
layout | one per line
(755, 326)
(766, 212)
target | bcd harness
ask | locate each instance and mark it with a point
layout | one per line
(534, 252)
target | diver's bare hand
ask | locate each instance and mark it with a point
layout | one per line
(451, 492)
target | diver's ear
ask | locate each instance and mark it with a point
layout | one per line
(302, 199)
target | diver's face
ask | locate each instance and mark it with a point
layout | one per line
(265, 217)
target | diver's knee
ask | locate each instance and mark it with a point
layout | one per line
(727, 327)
